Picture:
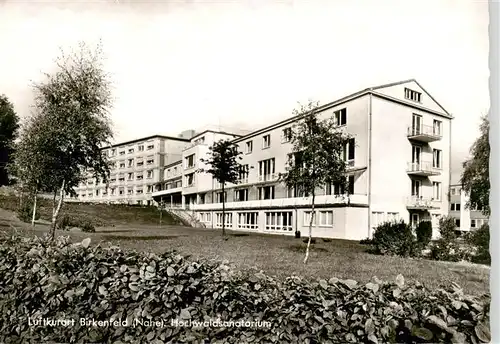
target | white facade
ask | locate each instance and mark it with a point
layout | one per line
(465, 218)
(399, 162)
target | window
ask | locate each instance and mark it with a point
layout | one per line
(392, 217)
(122, 152)
(266, 141)
(175, 171)
(340, 117)
(326, 218)
(436, 127)
(122, 164)
(149, 189)
(349, 151)
(168, 172)
(350, 185)
(130, 176)
(338, 189)
(202, 198)
(150, 161)
(121, 178)
(307, 218)
(241, 195)
(149, 147)
(97, 192)
(436, 186)
(113, 191)
(377, 218)
(113, 152)
(248, 220)
(130, 162)
(220, 197)
(436, 160)
(140, 163)
(472, 223)
(415, 187)
(139, 191)
(249, 147)
(189, 161)
(266, 169)
(228, 220)
(455, 207)
(457, 223)
(279, 221)
(121, 191)
(130, 191)
(130, 151)
(149, 174)
(190, 179)
(266, 192)
(286, 135)
(141, 148)
(243, 174)
(416, 124)
(413, 95)
(453, 191)
(140, 177)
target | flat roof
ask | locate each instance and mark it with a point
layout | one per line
(147, 138)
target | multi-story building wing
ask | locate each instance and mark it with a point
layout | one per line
(399, 165)
(465, 219)
(136, 167)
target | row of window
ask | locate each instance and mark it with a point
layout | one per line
(474, 223)
(416, 189)
(339, 117)
(456, 207)
(379, 217)
(140, 148)
(139, 190)
(268, 192)
(274, 221)
(130, 163)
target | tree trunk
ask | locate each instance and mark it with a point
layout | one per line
(310, 229)
(223, 212)
(161, 210)
(34, 209)
(55, 211)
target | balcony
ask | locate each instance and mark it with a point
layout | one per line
(425, 133)
(422, 168)
(421, 203)
(268, 177)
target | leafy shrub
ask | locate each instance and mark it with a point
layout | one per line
(74, 281)
(67, 221)
(480, 239)
(447, 247)
(25, 212)
(424, 233)
(395, 238)
(366, 241)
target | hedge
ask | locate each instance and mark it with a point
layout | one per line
(73, 281)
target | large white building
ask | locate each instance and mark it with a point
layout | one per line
(399, 162)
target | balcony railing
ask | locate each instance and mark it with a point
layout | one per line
(243, 181)
(422, 203)
(268, 177)
(424, 133)
(423, 168)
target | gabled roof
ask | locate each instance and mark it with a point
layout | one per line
(405, 82)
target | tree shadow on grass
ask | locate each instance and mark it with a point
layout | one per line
(139, 238)
(302, 248)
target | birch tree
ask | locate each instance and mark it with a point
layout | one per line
(317, 159)
(72, 106)
(9, 125)
(223, 164)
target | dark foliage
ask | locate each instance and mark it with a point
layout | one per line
(424, 233)
(9, 125)
(39, 279)
(395, 238)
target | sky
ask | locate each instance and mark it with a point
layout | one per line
(179, 65)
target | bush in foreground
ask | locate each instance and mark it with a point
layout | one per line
(74, 281)
(424, 233)
(480, 240)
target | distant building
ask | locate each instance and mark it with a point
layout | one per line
(465, 219)
(137, 166)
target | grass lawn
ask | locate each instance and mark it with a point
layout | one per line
(280, 256)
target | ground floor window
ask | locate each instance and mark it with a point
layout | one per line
(326, 218)
(307, 218)
(279, 221)
(205, 217)
(377, 218)
(248, 220)
(393, 217)
(228, 218)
